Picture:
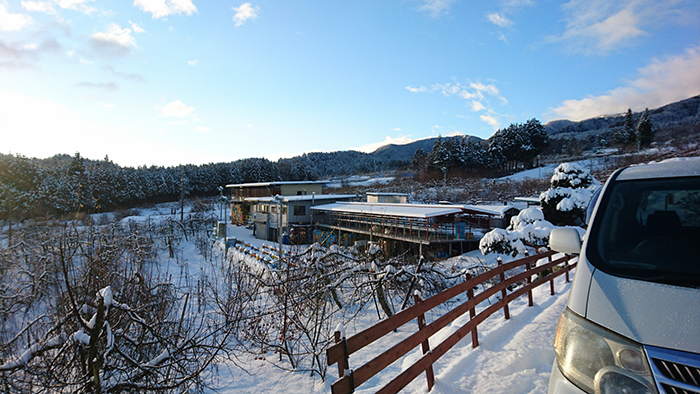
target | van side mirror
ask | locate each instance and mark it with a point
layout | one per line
(565, 240)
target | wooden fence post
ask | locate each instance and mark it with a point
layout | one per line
(429, 374)
(551, 281)
(504, 295)
(530, 302)
(472, 315)
(343, 362)
(566, 266)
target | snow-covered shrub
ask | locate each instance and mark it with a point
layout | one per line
(531, 227)
(528, 227)
(572, 188)
(502, 242)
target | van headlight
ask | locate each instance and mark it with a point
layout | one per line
(599, 361)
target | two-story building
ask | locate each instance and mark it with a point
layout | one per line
(241, 209)
(280, 211)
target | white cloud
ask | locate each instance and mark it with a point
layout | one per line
(659, 83)
(436, 8)
(193, 62)
(477, 92)
(45, 7)
(76, 5)
(369, 148)
(499, 19)
(421, 89)
(114, 37)
(136, 28)
(244, 13)
(517, 3)
(601, 26)
(13, 22)
(491, 120)
(473, 91)
(202, 129)
(163, 8)
(490, 88)
(177, 108)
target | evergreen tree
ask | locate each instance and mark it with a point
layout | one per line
(626, 136)
(419, 161)
(439, 156)
(571, 189)
(473, 154)
(645, 132)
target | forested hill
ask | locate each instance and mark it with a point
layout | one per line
(405, 152)
(63, 184)
(679, 120)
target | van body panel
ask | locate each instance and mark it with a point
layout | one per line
(578, 294)
(647, 312)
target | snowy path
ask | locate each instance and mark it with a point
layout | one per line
(514, 356)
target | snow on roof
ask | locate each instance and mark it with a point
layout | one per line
(405, 210)
(670, 168)
(386, 194)
(263, 184)
(496, 210)
(528, 199)
(305, 197)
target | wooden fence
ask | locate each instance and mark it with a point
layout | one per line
(343, 348)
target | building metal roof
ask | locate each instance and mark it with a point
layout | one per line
(263, 184)
(386, 194)
(496, 210)
(305, 197)
(388, 209)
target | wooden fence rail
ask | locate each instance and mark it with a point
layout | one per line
(344, 347)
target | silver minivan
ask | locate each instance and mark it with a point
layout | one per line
(632, 320)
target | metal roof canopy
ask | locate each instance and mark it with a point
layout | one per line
(400, 210)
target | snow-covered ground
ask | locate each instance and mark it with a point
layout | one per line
(514, 356)
(359, 180)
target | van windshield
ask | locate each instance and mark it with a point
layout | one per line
(650, 230)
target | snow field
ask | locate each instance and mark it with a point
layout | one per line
(514, 356)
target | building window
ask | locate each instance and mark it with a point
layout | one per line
(299, 210)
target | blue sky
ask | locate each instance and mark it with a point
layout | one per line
(191, 82)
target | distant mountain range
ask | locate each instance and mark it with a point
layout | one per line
(677, 122)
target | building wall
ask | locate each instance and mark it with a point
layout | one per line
(387, 199)
(306, 189)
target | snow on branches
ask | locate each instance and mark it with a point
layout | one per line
(528, 228)
(572, 188)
